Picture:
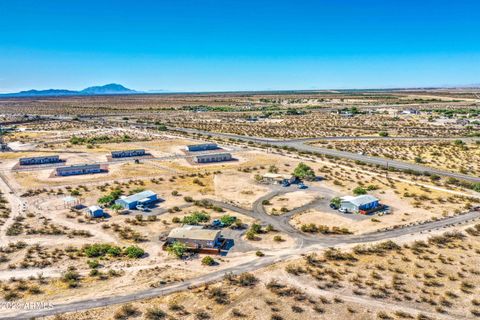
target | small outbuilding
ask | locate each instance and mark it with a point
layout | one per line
(195, 237)
(141, 199)
(360, 203)
(95, 211)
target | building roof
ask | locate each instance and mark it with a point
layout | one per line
(138, 196)
(69, 199)
(40, 157)
(276, 176)
(360, 200)
(208, 155)
(94, 208)
(194, 234)
(202, 145)
(77, 166)
(132, 150)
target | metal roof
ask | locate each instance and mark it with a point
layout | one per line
(139, 196)
(128, 151)
(69, 199)
(94, 208)
(202, 145)
(361, 200)
(276, 175)
(40, 157)
(78, 166)
(209, 155)
(194, 234)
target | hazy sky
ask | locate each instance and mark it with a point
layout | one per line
(205, 45)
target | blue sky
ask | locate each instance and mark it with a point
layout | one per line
(207, 45)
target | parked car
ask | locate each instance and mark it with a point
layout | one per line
(301, 185)
(333, 206)
(343, 210)
(217, 223)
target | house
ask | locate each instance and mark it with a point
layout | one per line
(95, 211)
(278, 178)
(128, 153)
(138, 200)
(39, 160)
(355, 204)
(195, 237)
(202, 147)
(213, 157)
(78, 169)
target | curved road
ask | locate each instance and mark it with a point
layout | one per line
(300, 145)
(307, 244)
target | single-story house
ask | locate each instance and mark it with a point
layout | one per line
(143, 198)
(354, 204)
(195, 237)
(95, 211)
(213, 157)
(78, 169)
(39, 160)
(128, 153)
(278, 178)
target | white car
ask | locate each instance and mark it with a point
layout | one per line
(343, 210)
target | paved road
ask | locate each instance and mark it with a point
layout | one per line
(300, 145)
(245, 267)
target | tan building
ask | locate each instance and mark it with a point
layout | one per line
(195, 237)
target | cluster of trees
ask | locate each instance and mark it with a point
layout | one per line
(98, 250)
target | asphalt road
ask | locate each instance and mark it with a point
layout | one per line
(16, 314)
(300, 145)
(305, 243)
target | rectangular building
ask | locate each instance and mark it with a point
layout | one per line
(143, 199)
(355, 204)
(95, 211)
(213, 157)
(39, 160)
(195, 237)
(78, 169)
(278, 178)
(202, 147)
(128, 153)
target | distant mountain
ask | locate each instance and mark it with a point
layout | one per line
(111, 88)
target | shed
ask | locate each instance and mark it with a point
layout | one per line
(195, 236)
(95, 211)
(144, 198)
(354, 204)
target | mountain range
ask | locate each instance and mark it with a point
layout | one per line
(108, 89)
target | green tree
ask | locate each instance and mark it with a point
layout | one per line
(116, 207)
(336, 202)
(177, 249)
(227, 220)
(208, 261)
(134, 252)
(359, 191)
(303, 171)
